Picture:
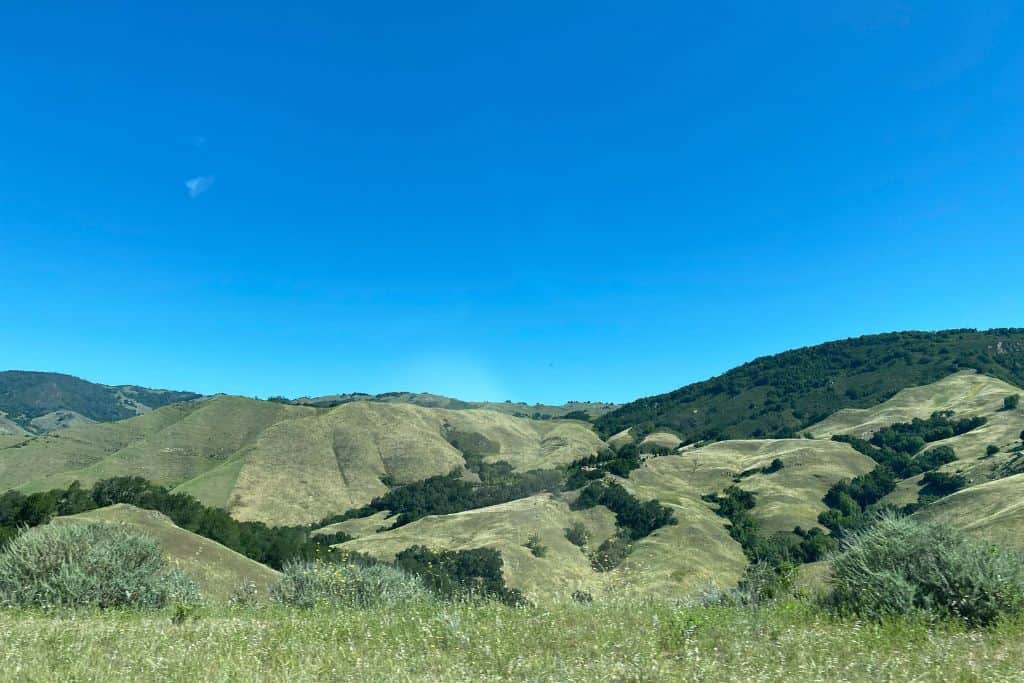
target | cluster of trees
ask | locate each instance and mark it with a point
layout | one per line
(453, 573)
(773, 467)
(783, 394)
(935, 485)
(897, 450)
(911, 437)
(898, 446)
(272, 546)
(620, 463)
(775, 550)
(633, 518)
(446, 494)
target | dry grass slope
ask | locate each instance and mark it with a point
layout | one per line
(217, 570)
(284, 464)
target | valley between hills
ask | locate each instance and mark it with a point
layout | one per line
(574, 504)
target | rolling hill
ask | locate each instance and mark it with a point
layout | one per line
(331, 464)
(39, 402)
(536, 411)
(284, 464)
(781, 395)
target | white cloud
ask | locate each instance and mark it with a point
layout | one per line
(198, 185)
(197, 141)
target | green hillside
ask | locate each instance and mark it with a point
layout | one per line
(641, 512)
(43, 401)
(781, 395)
(285, 464)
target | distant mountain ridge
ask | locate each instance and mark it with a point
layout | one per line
(577, 409)
(39, 402)
(778, 396)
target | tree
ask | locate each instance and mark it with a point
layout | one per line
(1011, 402)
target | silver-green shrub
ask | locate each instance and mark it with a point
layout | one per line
(310, 584)
(901, 565)
(89, 565)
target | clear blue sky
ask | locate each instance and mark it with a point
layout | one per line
(532, 200)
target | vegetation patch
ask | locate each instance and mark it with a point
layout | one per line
(900, 565)
(272, 546)
(451, 574)
(317, 583)
(89, 565)
(778, 551)
(897, 450)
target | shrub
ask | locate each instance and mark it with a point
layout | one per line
(535, 546)
(578, 535)
(901, 565)
(611, 553)
(316, 583)
(246, 594)
(763, 582)
(939, 484)
(89, 565)
(1011, 402)
(992, 449)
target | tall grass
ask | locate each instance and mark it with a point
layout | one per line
(622, 640)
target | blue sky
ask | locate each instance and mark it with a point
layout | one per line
(529, 201)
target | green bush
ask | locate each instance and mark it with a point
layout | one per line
(1011, 402)
(89, 565)
(611, 553)
(578, 535)
(312, 584)
(900, 565)
(535, 546)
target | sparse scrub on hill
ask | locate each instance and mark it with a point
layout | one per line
(89, 565)
(900, 565)
(314, 584)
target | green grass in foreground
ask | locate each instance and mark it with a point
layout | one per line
(627, 641)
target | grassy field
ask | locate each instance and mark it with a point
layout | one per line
(489, 642)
